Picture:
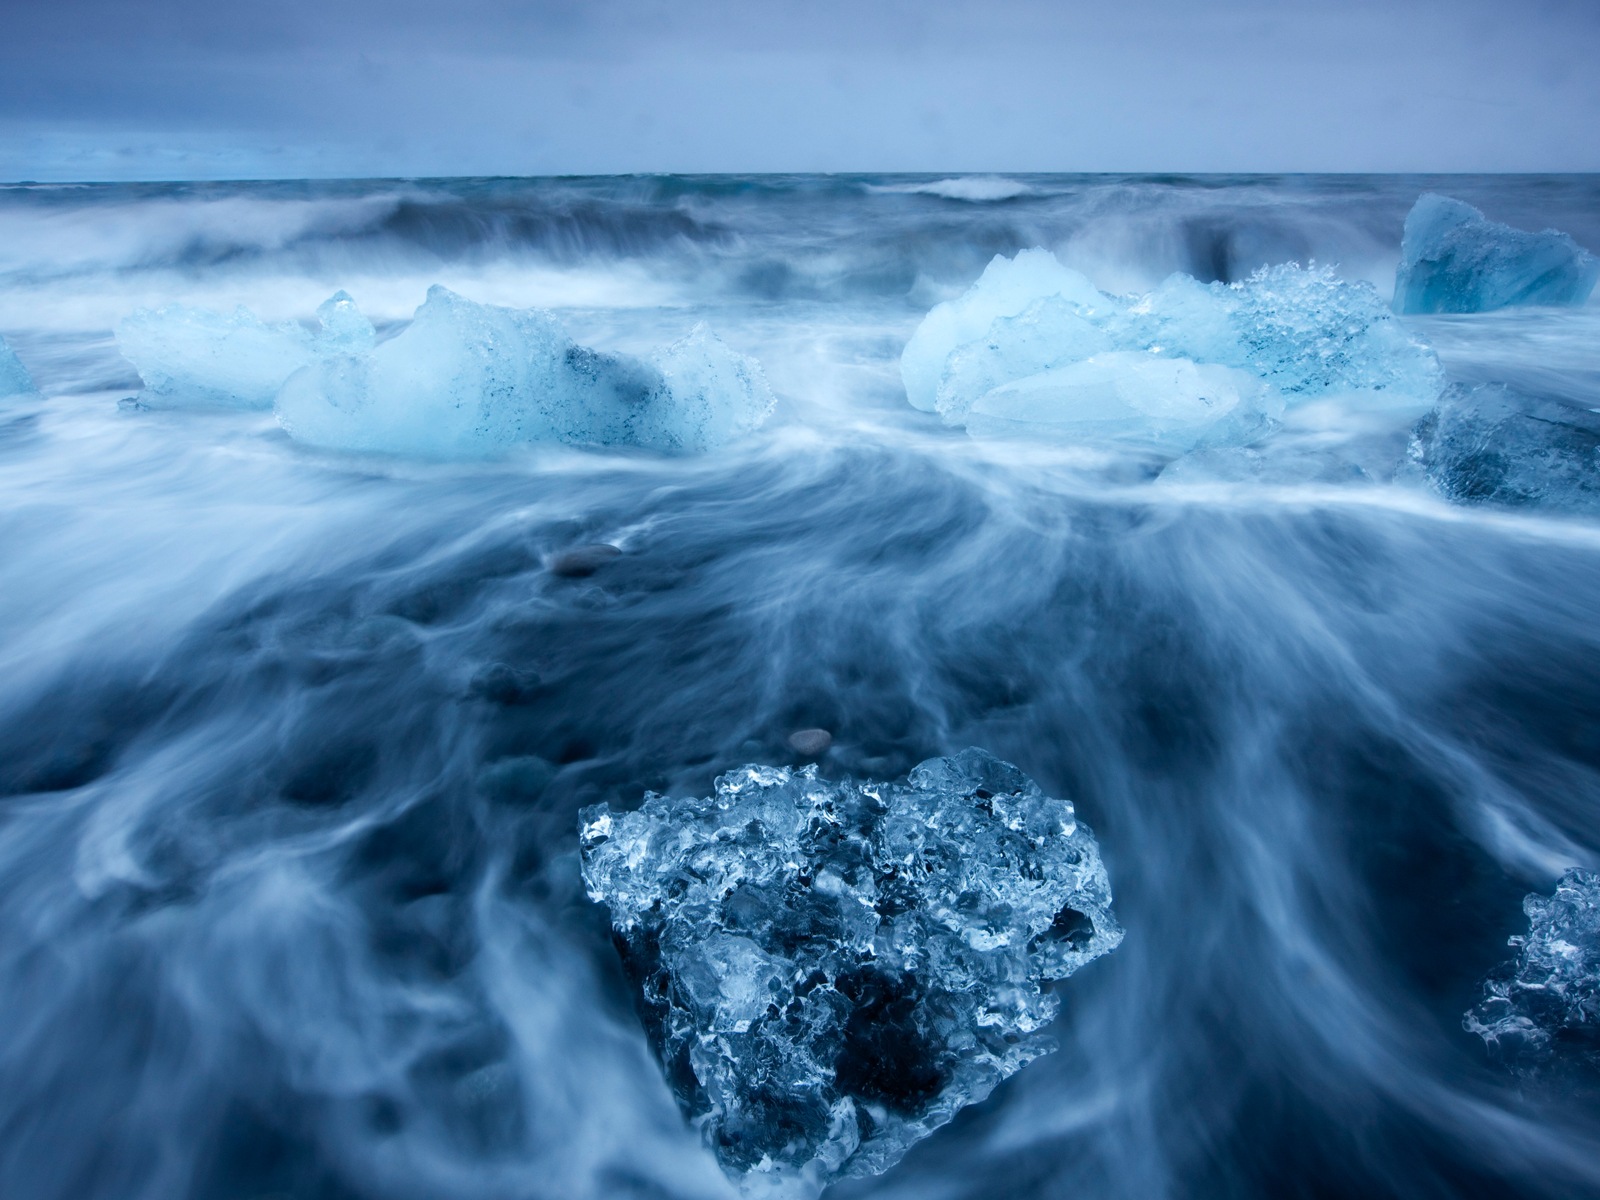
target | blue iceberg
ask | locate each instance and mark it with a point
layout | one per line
(1453, 259)
(830, 971)
(1034, 348)
(14, 377)
(1545, 1004)
(467, 380)
(1488, 444)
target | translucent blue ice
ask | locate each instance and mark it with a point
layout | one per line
(14, 377)
(1033, 347)
(1546, 1002)
(468, 379)
(1454, 259)
(1489, 444)
(193, 357)
(830, 971)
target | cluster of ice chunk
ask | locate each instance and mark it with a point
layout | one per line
(830, 971)
(1488, 444)
(1034, 346)
(1453, 259)
(462, 380)
(14, 377)
(1546, 1002)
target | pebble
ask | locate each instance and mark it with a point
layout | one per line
(579, 562)
(812, 743)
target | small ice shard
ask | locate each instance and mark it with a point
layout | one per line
(192, 357)
(1487, 444)
(829, 971)
(1032, 347)
(1545, 1004)
(14, 377)
(1453, 259)
(468, 380)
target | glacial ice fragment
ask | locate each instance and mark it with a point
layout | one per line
(830, 970)
(1488, 444)
(468, 379)
(1545, 1003)
(192, 357)
(14, 377)
(1006, 287)
(1033, 347)
(1453, 259)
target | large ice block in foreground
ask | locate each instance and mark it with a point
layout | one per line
(467, 379)
(830, 971)
(192, 357)
(1033, 347)
(1453, 259)
(14, 377)
(1545, 1004)
(1488, 444)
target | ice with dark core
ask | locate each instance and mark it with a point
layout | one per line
(1489, 444)
(466, 380)
(1453, 259)
(462, 380)
(1545, 1003)
(14, 377)
(829, 971)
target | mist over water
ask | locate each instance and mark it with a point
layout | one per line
(292, 743)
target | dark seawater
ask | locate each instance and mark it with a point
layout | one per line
(292, 743)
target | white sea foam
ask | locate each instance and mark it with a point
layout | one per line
(976, 189)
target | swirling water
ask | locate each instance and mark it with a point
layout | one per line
(293, 742)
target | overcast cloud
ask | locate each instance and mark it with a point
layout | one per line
(191, 89)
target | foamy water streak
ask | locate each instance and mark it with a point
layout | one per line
(292, 743)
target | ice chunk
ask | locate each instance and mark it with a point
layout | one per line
(191, 357)
(1047, 333)
(1129, 394)
(1454, 259)
(830, 970)
(1006, 287)
(1311, 335)
(344, 327)
(1489, 444)
(708, 396)
(467, 379)
(1546, 1002)
(1185, 365)
(14, 377)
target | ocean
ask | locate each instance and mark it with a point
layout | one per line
(294, 738)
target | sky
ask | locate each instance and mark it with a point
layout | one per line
(196, 89)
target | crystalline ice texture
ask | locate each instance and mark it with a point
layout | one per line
(467, 379)
(1032, 346)
(1547, 1001)
(191, 357)
(14, 377)
(1454, 259)
(1006, 287)
(829, 971)
(1489, 444)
